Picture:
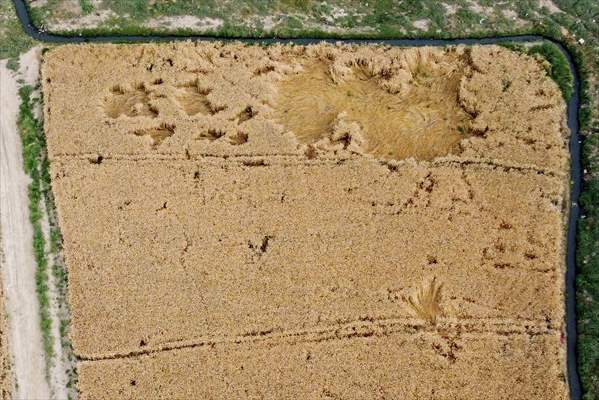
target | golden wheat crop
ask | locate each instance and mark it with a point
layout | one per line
(310, 221)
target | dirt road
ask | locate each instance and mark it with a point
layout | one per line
(18, 269)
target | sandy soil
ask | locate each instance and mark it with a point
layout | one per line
(19, 267)
(6, 379)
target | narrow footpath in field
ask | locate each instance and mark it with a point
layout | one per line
(18, 269)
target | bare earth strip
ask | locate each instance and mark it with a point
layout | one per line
(19, 266)
(310, 222)
(6, 381)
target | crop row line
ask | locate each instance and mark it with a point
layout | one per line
(367, 327)
(273, 159)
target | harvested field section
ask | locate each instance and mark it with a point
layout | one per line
(428, 365)
(225, 248)
(483, 102)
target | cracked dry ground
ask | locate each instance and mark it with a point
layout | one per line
(310, 222)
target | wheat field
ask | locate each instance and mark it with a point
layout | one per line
(322, 221)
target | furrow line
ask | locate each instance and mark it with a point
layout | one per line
(392, 166)
(355, 329)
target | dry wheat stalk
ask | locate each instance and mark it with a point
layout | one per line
(426, 301)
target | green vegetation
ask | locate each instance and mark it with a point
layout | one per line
(33, 142)
(59, 273)
(588, 287)
(13, 41)
(587, 279)
(36, 164)
(297, 18)
(86, 6)
(558, 68)
(12, 64)
(557, 65)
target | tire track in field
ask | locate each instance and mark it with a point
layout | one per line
(363, 327)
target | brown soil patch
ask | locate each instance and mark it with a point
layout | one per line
(244, 221)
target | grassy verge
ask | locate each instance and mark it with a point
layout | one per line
(41, 199)
(587, 251)
(59, 273)
(13, 41)
(33, 142)
(557, 68)
(588, 288)
(86, 6)
(587, 279)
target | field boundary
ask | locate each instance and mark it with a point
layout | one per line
(573, 106)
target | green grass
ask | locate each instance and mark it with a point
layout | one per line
(558, 68)
(588, 284)
(33, 142)
(12, 64)
(86, 6)
(36, 165)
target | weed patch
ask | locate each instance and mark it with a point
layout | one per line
(33, 142)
